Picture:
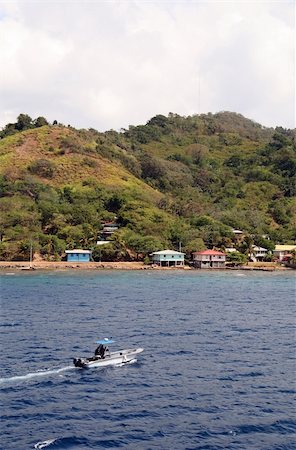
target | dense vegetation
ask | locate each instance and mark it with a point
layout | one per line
(186, 180)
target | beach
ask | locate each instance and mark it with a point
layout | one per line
(121, 265)
(63, 265)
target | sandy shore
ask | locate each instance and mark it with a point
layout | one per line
(62, 265)
(135, 265)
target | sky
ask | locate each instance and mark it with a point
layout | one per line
(114, 63)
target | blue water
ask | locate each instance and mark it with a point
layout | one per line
(218, 370)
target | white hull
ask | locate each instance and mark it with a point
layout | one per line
(112, 359)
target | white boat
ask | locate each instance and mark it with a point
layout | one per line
(103, 357)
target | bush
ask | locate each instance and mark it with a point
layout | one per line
(236, 258)
(42, 168)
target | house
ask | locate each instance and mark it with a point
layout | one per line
(281, 251)
(238, 235)
(258, 253)
(108, 229)
(168, 258)
(209, 259)
(231, 250)
(78, 255)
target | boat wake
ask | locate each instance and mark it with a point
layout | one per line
(44, 373)
(44, 444)
(29, 376)
(132, 361)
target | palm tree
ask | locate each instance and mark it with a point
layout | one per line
(246, 246)
(293, 257)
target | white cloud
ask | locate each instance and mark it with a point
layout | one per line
(28, 56)
(111, 64)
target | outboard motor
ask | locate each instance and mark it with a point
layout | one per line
(77, 362)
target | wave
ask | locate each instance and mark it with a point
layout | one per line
(44, 444)
(63, 442)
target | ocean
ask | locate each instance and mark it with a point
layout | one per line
(217, 372)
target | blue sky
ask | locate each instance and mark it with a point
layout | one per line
(111, 64)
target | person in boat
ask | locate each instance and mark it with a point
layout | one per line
(100, 351)
(97, 350)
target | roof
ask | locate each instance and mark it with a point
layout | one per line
(209, 252)
(259, 249)
(167, 252)
(237, 231)
(284, 248)
(105, 341)
(78, 251)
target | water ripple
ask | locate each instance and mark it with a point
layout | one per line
(217, 371)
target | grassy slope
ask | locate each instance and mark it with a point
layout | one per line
(17, 152)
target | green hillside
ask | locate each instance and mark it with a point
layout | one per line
(175, 179)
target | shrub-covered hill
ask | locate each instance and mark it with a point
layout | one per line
(186, 180)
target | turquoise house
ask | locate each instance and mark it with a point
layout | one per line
(168, 258)
(78, 255)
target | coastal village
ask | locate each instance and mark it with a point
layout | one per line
(257, 258)
(282, 255)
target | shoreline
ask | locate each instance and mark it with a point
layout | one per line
(65, 265)
(135, 265)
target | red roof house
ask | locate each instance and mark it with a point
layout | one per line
(209, 259)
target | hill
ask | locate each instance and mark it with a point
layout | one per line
(175, 179)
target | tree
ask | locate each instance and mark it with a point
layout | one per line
(40, 122)
(159, 120)
(119, 246)
(8, 130)
(279, 140)
(47, 209)
(293, 257)
(114, 202)
(142, 245)
(195, 245)
(113, 251)
(151, 167)
(51, 245)
(199, 154)
(246, 246)
(72, 235)
(237, 258)
(24, 122)
(265, 243)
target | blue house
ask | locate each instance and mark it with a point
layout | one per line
(168, 258)
(78, 255)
